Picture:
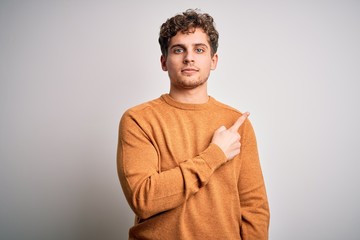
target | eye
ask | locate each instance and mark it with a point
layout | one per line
(199, 50)
(178, 50)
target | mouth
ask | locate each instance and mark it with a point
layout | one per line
(189, 70)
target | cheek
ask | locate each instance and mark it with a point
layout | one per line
(172, 64)
(207, 64)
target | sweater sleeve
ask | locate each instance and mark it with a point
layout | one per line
(254, 204)
(148, 190)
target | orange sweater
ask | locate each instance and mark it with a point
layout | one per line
(178, 184)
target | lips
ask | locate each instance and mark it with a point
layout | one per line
(189, 70)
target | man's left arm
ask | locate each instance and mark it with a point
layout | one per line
(255, 212)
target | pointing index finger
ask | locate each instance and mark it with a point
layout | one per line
(239, 122)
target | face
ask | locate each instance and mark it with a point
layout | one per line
(189, 59)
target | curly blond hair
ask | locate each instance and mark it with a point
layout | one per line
(186, 23)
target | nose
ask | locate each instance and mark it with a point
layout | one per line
(189, 57)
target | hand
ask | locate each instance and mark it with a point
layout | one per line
(229, 139)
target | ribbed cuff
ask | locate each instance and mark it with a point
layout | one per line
(213, 156)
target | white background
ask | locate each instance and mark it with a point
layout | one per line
(69, 69)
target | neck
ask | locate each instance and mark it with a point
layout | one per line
(197, 95)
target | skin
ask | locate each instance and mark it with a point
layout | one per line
(229, 139)
(188, 63)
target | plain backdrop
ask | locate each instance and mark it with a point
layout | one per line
(69, 69)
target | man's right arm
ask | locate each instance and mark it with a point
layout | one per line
(150, 191)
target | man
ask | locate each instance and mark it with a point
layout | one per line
(188, 164)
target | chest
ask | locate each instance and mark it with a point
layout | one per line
(179, 136)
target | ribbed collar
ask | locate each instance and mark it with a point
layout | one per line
(187, 106)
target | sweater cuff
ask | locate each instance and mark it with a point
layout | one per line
(213, 156)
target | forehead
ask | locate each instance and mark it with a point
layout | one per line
(192, 37)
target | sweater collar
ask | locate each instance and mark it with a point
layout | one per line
(187, 106)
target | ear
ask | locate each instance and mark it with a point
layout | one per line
(163, 63)
(214, 60)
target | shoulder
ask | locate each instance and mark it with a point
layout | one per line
(143, 115)
(144, 108)
(226, 108)
(233, 114)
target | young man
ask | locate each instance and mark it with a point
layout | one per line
(188, 164)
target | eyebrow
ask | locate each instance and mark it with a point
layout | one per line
(183, 46)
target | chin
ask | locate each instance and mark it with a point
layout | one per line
(190, 85)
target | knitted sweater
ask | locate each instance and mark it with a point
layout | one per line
(180, 185)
